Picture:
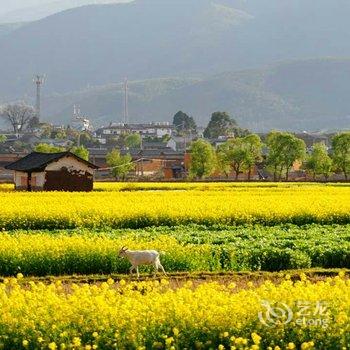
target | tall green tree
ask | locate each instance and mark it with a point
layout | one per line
(284, 150)
(202, 159)
(221, 124)
(222, 162)
(341, 153)
(46, 148)
(133, 140)
(121, 164)
(83, 138)
(81, 152)
(318, 162)
(237, 154)
(184, 123)
(240, 154)
(275, 157)
(254, 152)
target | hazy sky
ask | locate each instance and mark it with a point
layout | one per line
(10, 5)
(7, 6)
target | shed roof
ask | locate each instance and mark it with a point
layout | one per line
(37, 161)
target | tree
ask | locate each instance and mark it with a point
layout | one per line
(240, 154)
(275, 158)
(81, 152)
(82, 138)
(254, 149)
(326, 168)
(221, 124)
(46, 148)
(3, 138)
(237, 155)
(60, 135)
(318, 162)
(202, 159)
(121, 165)
(133, 140)
(294, 150)
(33, 123)
(166, 138)
(222, 162)
(120, 141)
(341, 152)
(284, 150)
(18, 115)
(46, 130)
(184, 123)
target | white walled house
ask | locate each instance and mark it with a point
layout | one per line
(154, 130)
(62, 171)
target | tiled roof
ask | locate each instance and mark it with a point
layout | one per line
(37, 161)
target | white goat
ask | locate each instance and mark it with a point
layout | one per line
(141, 257)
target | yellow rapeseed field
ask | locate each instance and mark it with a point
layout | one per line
(162, 315)
(154, 315)
(129, 205)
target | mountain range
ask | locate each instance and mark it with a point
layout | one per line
(196, 55)
(296, 95)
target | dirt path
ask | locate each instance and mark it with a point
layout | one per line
(241, 279)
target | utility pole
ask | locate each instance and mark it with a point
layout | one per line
(184, 131)
(126, 101)
(39, 81)
(185, 145)
(141, 155)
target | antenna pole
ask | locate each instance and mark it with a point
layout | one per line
(126, 101)
(39, 81)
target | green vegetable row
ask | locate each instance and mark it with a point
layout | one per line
(183, 248)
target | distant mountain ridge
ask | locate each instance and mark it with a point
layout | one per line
(150, 40)
(99, 44)
(296, 95)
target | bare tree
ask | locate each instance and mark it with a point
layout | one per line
(18, 115)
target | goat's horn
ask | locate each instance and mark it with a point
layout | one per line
(124, 248)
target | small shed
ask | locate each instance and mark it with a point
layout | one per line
(62, 171)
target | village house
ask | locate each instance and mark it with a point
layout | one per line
(179, 143)
(7, 158)
(311, 138)
(162, 163)
(151, 130)
(62, 171)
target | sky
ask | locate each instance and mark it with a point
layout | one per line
(11, 5)
(7, 6)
